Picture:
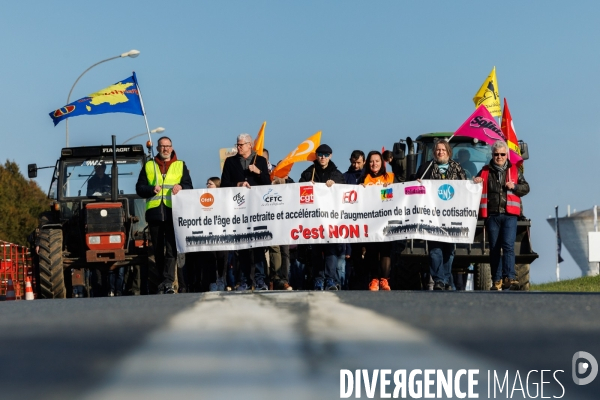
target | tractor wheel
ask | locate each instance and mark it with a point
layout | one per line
(52, 278)
(482, 278)
(522, 273)
(408, 276)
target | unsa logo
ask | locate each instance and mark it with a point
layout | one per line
(207, 200)
(446, 192)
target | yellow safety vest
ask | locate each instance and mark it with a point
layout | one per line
(174, 175)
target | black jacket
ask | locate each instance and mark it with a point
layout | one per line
(144, 190)
(454, 172)
(322, 175)
(352, 176)
(497, 189)
(233, 172)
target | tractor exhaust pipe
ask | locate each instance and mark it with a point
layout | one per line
(114, 171)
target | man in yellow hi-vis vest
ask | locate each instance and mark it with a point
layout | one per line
(161, 178)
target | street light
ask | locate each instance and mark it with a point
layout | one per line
(130, 53)
(160, 129)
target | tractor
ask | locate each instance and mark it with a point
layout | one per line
(411, 256)
(96, 222)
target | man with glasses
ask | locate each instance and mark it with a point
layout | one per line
(324, 171)
(503, 187)
(161, 178)
(247, 169)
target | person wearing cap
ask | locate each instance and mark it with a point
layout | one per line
(162, 177)
(247, 169)
(324, 171)
(99, 182)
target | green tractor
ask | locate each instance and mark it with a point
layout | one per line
(96, 220)
(411, 256)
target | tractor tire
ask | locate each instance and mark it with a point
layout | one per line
(482, 278)
(522, 274)
(407, 276)
(52, 278)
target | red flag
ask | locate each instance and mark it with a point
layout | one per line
(508, 128)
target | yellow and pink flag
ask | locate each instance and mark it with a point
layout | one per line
(481, 126)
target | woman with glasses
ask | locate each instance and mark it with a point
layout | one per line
(503, 187)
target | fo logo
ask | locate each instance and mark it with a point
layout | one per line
(446, 192)
(207, 200)
(351, 197)
(306, 195)
(584, 364)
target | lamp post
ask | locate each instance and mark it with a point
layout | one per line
(130, 53)
(160, 129)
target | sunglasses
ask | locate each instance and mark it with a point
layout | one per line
(323, 154)
(499, 154)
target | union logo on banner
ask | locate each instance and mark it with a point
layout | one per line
(207, 200)
(306, 195)
(351, 197)
(387, 194)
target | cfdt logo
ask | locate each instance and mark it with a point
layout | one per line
(272, 197)
(306, 195)
(239, 199)
(350, 197)
(387, 194)
(446, 192)
(584, 368)
(207, 200)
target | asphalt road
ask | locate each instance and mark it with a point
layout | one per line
(290, 344)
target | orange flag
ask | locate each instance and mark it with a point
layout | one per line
(305, 151)
(259, 143)
(508, 128)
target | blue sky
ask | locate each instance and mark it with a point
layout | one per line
(364, 73)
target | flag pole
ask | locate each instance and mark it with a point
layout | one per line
(147, 126)
(557, 249)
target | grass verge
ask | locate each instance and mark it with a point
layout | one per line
(583, 284)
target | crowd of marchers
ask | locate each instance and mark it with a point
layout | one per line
(362, 266)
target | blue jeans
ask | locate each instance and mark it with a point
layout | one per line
(441, 256)
(252, 257)
(325, 262)
(341, 270)
(115, 280)
(502, 232)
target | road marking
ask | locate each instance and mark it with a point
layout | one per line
(288, 345)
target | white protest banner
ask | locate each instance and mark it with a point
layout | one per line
(300, 213)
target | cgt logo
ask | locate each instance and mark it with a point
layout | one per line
(446, 192)
(582, 361)
(306, 195)
(207, 200)
(351, 197)
(272, 197)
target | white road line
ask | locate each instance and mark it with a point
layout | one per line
(275, 345)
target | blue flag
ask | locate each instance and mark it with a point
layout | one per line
(122, 97)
